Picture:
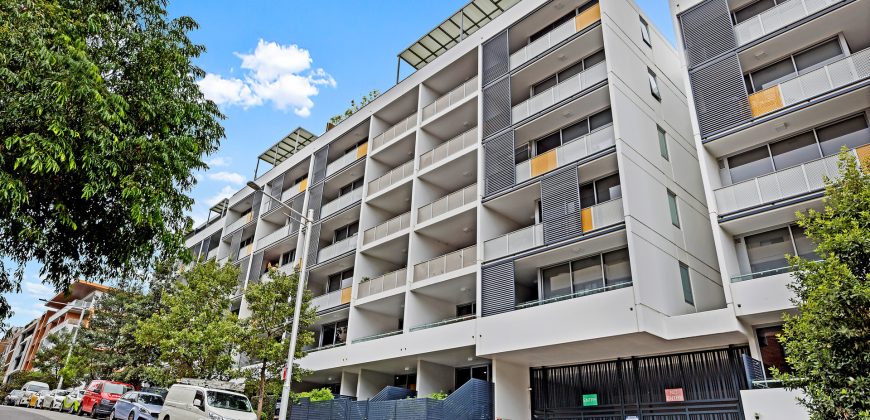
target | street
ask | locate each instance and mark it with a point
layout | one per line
(20, 413)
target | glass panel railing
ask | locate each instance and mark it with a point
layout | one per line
(451, 98)
(447, 203)
(395, 131)
(377, 336)
(325, 347)
(516, 241)
(448, 148)
(390, 227)
(557, 35)
(331, 299)
(572, 151)
(574, 295)
(447, 263)
(273, 237)
(341, 202)
(443, 322)
(791, 182)
(778, 17)
(564, 90)
(393, 177)
(760, 274)
(336, 249)
(382, 283)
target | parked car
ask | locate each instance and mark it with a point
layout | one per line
(194, 402)
(100, 397)
(137, 406)
(72, 401)
(54, 399)
(155, 390)
(13, 396)
(40, 398)
(30, 389)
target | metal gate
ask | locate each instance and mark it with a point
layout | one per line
(703, 385)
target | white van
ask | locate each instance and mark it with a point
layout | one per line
(195, 402)
(30, 388)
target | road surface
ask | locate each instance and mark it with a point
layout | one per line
(20, 413)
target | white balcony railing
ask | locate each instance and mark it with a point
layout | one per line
(336, 249)
(247, 218)
(837, 74)
(383, 283)
(390, 178)
(341, 202)
(294, 191)
(446, 263)
(331, 299)
(448, 148)
(779, 185)
(564, 90)
(390, 227)
(342, 162)
(451, 98)
(538, 46)
(778, 17)
(273, 237)
(447, 203)
(212, 254)
(573, 151)
(595, 217)
(395, 131)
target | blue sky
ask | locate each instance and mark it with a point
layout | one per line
(275, 65)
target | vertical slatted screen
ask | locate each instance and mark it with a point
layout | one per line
(243, 273)
(314, 244)
(319, 171)
(206, 246)
(497, 291)
(256, 267)
(499, 171)
(295, 221)
(496, 107)
(256, 203)
(560, 205)
(276, 188)
(707, 31)
(235, 242)
(720, 95)
(315, 199)
(496, 58)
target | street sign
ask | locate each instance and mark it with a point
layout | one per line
(590, 400)
(674, 395)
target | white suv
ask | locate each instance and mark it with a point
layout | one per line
(194, 402)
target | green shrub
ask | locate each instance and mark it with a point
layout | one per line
(322, 394)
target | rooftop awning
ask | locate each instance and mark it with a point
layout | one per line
(289, 145)
(464, 22)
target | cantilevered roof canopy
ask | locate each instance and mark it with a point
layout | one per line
(465, 22)
(289, 145)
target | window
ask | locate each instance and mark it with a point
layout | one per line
(567, 73)
(339, 281)
(751, 164)
(617, 269)
(672, 205)
(654, 85)
(563, 136)
(767, 250)
(345, 232)
(288, 257)
(772, 351)
(246, 242)
(644, 32)
(687, 284)
(795, 150)
(751, 10)
(408, 381)
(663, 143)
(350, 187)
(466, 309)
(570, 15)
(557, 281)
(352, 149)
(464, 374)
(796, 64)
(548, 143)
(586, 274)
(521, 154)
(333, 333)
(599, 191)
(852, 132)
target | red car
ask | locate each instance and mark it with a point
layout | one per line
(100, 397)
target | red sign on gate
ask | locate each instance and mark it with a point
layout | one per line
(674, 395)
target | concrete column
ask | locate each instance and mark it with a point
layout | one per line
(349, 383)
(432, 377)
(370, 383)
(512, 395)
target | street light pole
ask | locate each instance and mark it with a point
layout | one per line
(303, 277)
(73, 342)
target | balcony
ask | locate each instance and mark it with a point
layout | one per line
(451, 98)
(273, 237)
(573, 295)
(340, 203)
(348, 158)
(383, 283)
(778, 17)
(331, 299)
(449, 148)
(557, 35)
(780, 185)
(564, 90)
(838, 74)
(447, 203)
(211, 254)
(244, 220)
(391, 178)
(444, 264)
(395, 131)
(294, 190)
(443, 322)
(592, 218)
(376, 336)
(573, 151)
(327, 347)
(336, 249)
(390, 227)
(760, 274)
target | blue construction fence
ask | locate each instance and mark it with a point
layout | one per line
(472, 401)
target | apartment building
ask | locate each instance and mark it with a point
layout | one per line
(527, 208)
(66, 311)
(777, 89)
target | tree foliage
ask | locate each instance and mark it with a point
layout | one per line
(102, 126)
(194, 330)
(51, 357)
(828, 342)
(354, 107)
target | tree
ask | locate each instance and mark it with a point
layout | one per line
(272, 305)
(102, 128)
(828, 342)
(194, 330)
(18, 379)
(52, 355)
(354, 107)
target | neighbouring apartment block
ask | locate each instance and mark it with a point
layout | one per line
(539, 206)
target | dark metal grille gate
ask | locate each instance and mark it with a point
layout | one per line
(711, 381)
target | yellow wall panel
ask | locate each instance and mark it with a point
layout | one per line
(587, 17)
(765, 101)
(361, 150)
(543, 163)
(586, 219)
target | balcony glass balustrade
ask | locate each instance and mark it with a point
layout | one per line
(443, 322)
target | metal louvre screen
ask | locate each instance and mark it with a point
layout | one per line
(560, 205)
(206, 247)
(496, 107)
(235, 243)
(315, 197)
(256, 267)
(256, 203)
(710, 382)
(243, 273)
(319, 172)
(720, 95)
(312, 247)
(707, 31)
(276, 187)
(297, 204)
(497, 291)
(499, 171)
(496, 58)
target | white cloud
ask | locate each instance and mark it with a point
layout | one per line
(226, 192)
(231, 177)
(280, 74)
(219, 161)
(37, 288)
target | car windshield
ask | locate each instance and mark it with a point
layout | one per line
(35, 387)
(228, 401)
(116, 389)
(17, 392)
(150, 399)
